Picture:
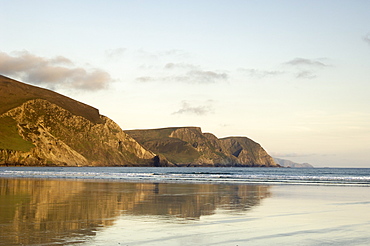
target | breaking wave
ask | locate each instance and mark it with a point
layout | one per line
(313, 176)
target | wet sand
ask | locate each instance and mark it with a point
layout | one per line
(66, 212)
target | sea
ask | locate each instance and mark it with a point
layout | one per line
(228, 175)
(184, 206)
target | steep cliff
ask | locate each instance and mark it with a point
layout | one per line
(188, 146)
(247, 152)
(39, 127)
(46, 128)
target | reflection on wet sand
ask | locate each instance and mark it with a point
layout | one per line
(36, 211)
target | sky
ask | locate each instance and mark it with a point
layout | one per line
(293, 76)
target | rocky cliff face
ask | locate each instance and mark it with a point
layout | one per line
(247, 152)
(40, 132)
(188, 146)
(39, 127)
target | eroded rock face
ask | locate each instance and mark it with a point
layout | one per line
(61, 138)
(247, 152)
(188, 146)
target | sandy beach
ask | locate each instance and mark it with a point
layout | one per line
(86, 212)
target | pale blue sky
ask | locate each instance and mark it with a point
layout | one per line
(292, 75)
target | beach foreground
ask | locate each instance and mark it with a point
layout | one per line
(88, 212)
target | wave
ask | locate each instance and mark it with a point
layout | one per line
(213, 175)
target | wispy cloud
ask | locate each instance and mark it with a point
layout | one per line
(257, 73)
(203, 76)
(180, 65)
(52, 72)
(159, 55)
(366, 38)
(306, 62)
(306, 75)
(306, 68)
(186, 73)
(175, 53)
(187, 108)
(145, 79)
(115, 53)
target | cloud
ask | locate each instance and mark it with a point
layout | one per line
(115, 53)
(305, 62)
(145, 79)
(175, 53)
(201, 76)
(186, 108)
(52, 72)
(159, 55)
(192, 77)
(306, 75)
(306, 68)
(194, 74)
(260, 73)
(172, 65)
(186, 73)
(367, 38)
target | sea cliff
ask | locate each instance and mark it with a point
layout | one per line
(39, 127)
(189, 146)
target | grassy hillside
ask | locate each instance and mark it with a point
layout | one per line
(9, 137)
(14, 94)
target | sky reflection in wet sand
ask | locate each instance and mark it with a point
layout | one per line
(292, 215)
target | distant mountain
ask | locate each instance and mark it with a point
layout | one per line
(40, 127)
(188, 146)
(287, 163)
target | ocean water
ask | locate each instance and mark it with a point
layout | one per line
(307, 176)
(184, 206)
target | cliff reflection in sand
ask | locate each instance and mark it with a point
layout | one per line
(36, 211)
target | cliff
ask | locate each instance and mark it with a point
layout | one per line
(40, 127)
(188, 146)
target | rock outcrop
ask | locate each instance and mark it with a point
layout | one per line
(188, 146)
